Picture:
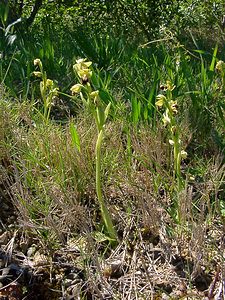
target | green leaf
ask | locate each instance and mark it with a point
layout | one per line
(75, 136)
(6, 13)
(200, 51)
(136, 108)
(101, 237)
(107, 111)
(212, 66)
(100, 117)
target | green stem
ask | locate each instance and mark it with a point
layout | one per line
(46, 111)
(48, 108)
(104, 211)
(176, 156)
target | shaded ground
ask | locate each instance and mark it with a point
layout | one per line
(144, 265)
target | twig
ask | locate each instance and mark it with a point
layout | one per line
(213, 285)
(155, 41)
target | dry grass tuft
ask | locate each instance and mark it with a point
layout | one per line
(57, 235)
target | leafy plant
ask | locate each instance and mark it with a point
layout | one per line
(169, 120)
(47, 88)
(93, 103)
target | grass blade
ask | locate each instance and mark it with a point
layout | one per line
(212, 66)
(75, 136)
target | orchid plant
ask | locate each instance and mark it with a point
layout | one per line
(92, 101)
(48, 89)
(169, 120)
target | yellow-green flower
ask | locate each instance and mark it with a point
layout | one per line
(82, 68)
(82, 63)
(37, 62)
(173, 129)
(220, 66)
(183, 154)
(166, 119)
(191, 178)
(169, 85)
(75, 89)
(94, 94)
(160, 100)
(37, 74)
(49, 83)
(84, 73)
(173, 106)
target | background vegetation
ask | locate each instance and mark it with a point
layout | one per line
(112, 173)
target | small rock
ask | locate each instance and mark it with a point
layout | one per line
(113, 269)
(31, 251)
(165, 297)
